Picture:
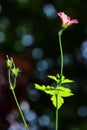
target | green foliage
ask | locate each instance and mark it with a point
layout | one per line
(58, 78)
(58, 101)
(57, 92)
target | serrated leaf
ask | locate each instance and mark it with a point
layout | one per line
(64, 92)
(58, 91)
(61, 88)
(67, 81)
(59, 99)
(49, 89)
(43, 87)
(52, 77)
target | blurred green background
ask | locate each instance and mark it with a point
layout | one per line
(28, 33)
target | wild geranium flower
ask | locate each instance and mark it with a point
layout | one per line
(66, 20)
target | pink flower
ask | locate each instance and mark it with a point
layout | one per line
(66, 20)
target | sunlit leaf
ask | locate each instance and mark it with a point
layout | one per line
(52, 77)
(43, 87)
(58, 76)
(63, 78)
(67, 81)
(49, 89)
(57, 92)
(59, 100)
(64, 92)
(61, 88)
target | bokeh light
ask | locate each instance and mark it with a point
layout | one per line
(37, 53)
(27, 40)
(2, 37)
(44, 120)
(31, 116)
(49, 11)
(82, 111)
(34, 94)
(25, 106)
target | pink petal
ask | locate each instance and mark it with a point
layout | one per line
(64, 17)
(73, 21)
(66, 20)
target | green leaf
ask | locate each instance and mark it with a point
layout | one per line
(43, 87)
(58, 91)
(67, 81)
(49, 89)
(64, 92)
(61, 88)
(63, 80)
(60, 101)
(58, 76)
(52, 77)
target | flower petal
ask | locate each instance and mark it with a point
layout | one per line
(66, 20)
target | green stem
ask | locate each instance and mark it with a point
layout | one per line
(56, 112)
(20, 111)
(12, 87)
(61, 50)
(9, 78)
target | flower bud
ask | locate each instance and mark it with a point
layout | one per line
(15, 71)
(9, 62)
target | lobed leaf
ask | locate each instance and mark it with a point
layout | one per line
(58, 91)
(61, 88)
(43, 87)
(49, 89)
(63, 79)
(64, 92)
(59, 99)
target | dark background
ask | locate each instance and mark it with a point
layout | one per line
(28, 33)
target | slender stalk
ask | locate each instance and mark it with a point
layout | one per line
(56, 112)
(61, 74)
(61, 50)
(10, 84)
(12, 87)
(20, 111)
